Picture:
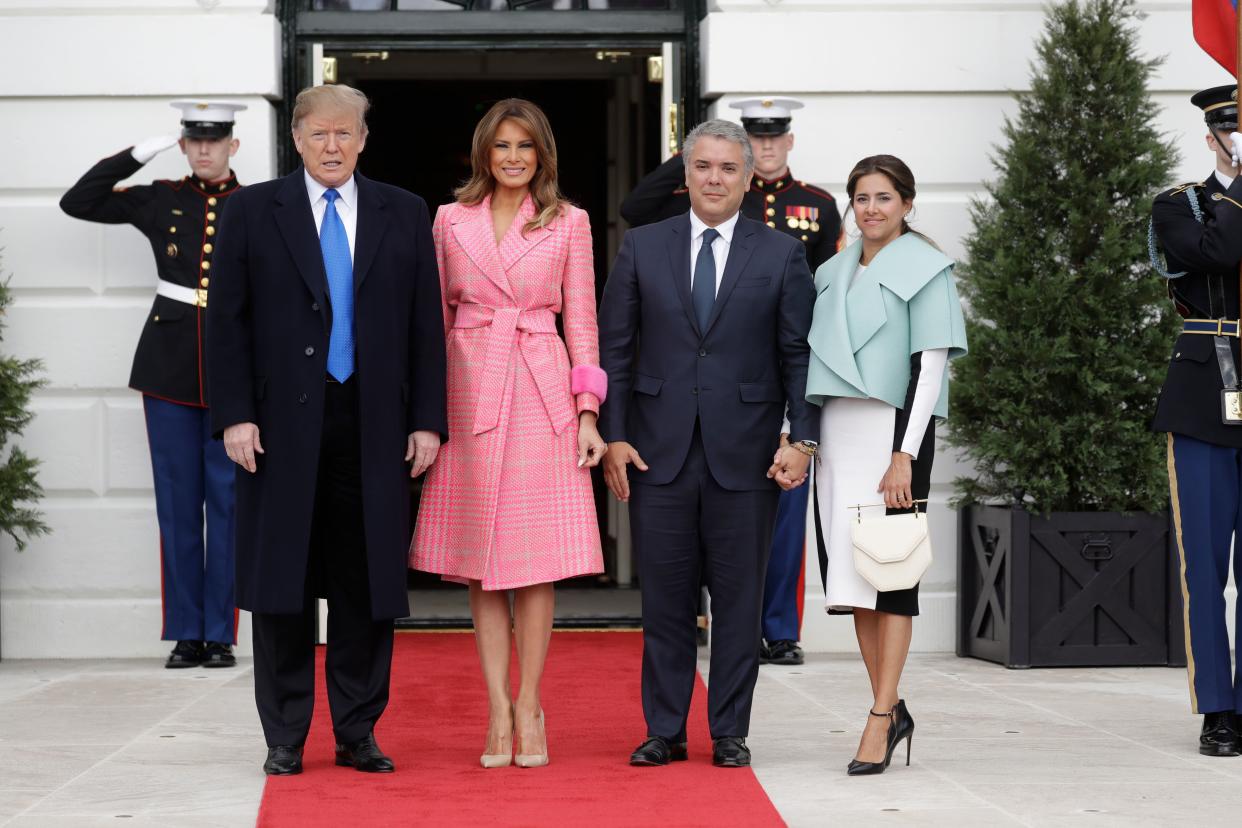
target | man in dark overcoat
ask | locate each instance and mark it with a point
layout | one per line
(327, 377)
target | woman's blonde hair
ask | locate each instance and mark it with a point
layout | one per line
(544, 190)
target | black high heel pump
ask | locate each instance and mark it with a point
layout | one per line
(900, 726)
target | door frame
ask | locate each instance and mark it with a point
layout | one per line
(466, 30)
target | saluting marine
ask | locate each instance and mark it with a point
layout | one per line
(810, 215)
(192, 473)
(776, 198)
(1198, 228)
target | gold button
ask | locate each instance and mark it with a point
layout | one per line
(207, 247)
(155, 318)
(171, 250)
(204, 281)
(771, 198)
(222, 186)
(211, 202)
(211, 231)
(771, 211)
(172, 229)
(772, 224)
(804, 238)
(780, 183)
(211, 216)
(205, 265)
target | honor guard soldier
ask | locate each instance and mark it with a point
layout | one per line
(192, 473)
(1198, 229)
(810, 215)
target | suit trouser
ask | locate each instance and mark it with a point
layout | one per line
(783, 586)
(686, 530)
(359, 654)
(1204, 481)
(193, 478)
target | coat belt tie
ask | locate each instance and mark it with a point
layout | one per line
(505, 323)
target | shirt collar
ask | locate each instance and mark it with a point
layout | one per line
(348, 191)
(1224, 180)
(725, 228)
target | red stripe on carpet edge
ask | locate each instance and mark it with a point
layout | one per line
(434, 730)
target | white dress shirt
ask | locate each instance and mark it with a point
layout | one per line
(346, 206)
(1224, 180)
(720, 247)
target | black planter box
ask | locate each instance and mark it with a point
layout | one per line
(1073, 589)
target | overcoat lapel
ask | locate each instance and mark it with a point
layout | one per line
(296, 224)
(473, 231)
(516, 243)
(740, 248)
(372, 224)
(679, 262)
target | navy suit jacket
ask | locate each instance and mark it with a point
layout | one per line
(735, 378)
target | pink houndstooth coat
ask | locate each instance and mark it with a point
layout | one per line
(505, 502)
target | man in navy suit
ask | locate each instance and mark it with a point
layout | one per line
(703, 335)
(327, 374)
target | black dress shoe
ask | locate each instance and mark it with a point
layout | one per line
(765, 654)
(658, 751)
(283, 760)
(785, 652)
(185, 654)
(364, 756)
(730, 752)
(1219, 736)
(216, 654)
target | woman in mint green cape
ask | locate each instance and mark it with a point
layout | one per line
(887, 321)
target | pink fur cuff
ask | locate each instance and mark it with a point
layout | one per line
(588, 379)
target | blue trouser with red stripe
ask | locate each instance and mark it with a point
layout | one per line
(193, 476)
(1205, 482)
(782, 598)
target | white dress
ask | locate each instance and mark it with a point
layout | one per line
(857, 437)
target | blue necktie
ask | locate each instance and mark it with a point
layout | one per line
(340, 269)
(704, 289)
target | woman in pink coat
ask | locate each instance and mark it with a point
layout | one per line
(508, 503)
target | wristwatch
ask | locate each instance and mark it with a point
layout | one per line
(808, 447)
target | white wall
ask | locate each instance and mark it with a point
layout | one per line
(80, 80)
(929, 82)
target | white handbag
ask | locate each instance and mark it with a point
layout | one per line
(891, 551)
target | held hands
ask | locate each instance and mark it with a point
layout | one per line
(421, 449)
(591, 446)
(241, 444)
(144, 151)
(617, 456)
(789, 466)
(895, 485)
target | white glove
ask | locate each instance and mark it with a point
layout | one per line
(144, 151)
(1235, 138)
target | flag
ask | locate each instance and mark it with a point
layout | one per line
(1216, 30)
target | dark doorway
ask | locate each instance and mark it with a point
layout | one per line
(605, 115)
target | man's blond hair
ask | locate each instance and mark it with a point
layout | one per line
(335, 96)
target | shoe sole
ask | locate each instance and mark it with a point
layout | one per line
(214, 664)
(731, 763)
(181, 665)
(345, 763)
(282, 773)
(1217, 752)
(787, 662)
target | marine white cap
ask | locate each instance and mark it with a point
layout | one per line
(767, 116)
(207, 119)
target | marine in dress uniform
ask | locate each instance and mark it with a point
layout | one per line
(810, 215)
(1198, 228)
(192, 474)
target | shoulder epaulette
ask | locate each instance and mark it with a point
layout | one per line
(817, 190)
(1181, 188)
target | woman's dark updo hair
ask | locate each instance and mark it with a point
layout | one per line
(892, 168)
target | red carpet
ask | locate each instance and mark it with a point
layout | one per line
(434, 729)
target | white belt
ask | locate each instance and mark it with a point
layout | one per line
(191, 296)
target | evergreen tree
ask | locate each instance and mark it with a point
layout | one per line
(19, 486)
(1069, 327)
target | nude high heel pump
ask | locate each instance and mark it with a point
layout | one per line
(499, 760)
(534, 760)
